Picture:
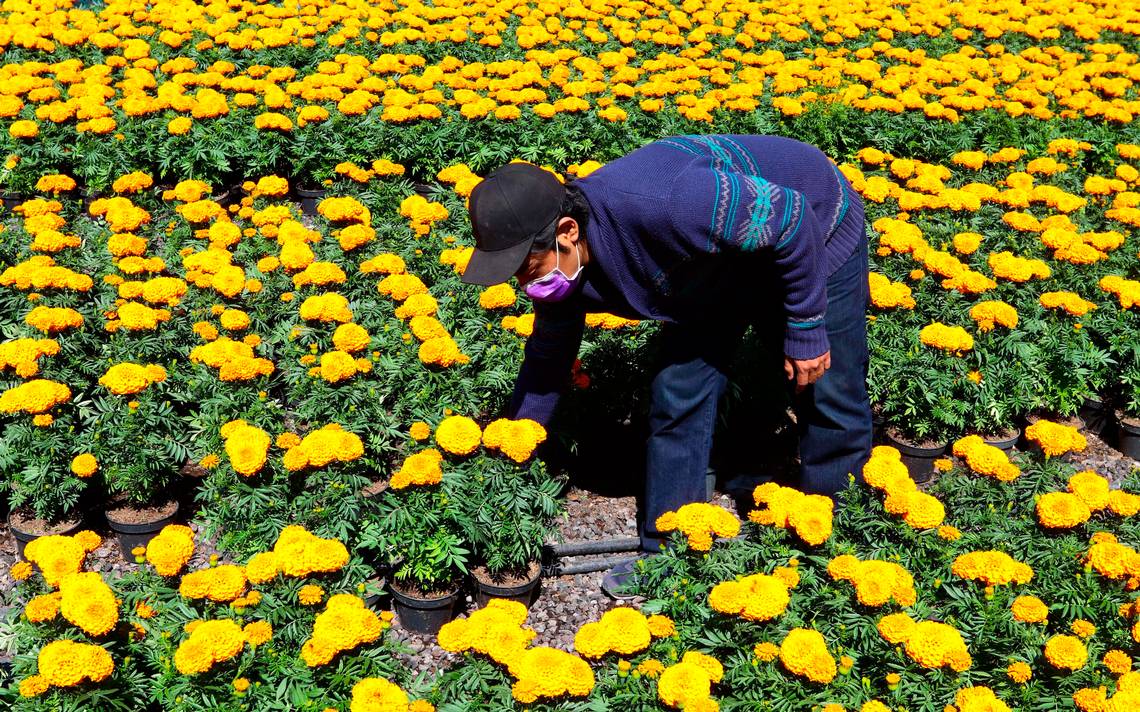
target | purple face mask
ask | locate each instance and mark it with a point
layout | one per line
(555, 285)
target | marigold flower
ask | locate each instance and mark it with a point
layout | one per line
(1066, 652)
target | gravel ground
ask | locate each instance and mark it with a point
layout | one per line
(565, 602)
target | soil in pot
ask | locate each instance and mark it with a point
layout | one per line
(423, 612)
(137, 525)
(1004, 440)
(1128, 436)
(521, 587)
(918, 457)
(26, 526)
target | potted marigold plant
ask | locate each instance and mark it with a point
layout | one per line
(507, 509)
(919, 379)
(44, 488)
(418, 529)
(135, 437)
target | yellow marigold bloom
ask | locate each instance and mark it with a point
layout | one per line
(886, 294)
(896, 628)
(310, 595)
(993, 568)
(1019, 672)
(1069, 302)
(211, 642)
(993, 313)
(417, 305)
(34, 686)
(967, 243)
(324, 446)
(622, 630)
(56, 556)
(351, 338)
(759, 597)
(20, 571)
(65, 663)
(551, 673)
(1082, 628)
(684, 685)
(421, 468)
(171, 549)
(42, 608)
(1127, 291)
(258, 632)
(1006, 265)
(952, 339)
(458, 435)
(1066, 652)
(986, 459)
(344, 624)
(84, 465)
(34, 397)
(766, 652)
(804, 653)
(220, 584)
(131, 378)
(650, 668)
(517, 439)
(401, 286)
(246, 446)
(497, 296)
(376, 693)
(935, 645)
(1055, 439)
(699, 521)
(337, 366)
(810, 516)
(326, 307)
(1118, 662)
(87, 602)
(979, 699)
(1061, 510)
(661, 626)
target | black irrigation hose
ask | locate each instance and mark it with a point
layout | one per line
(601, 546)
(584, 567)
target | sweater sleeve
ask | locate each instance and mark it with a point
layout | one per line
(547, 359)
(729, 211)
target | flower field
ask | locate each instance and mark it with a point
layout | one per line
(229, 272)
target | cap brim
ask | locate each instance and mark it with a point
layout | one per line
(486, 268)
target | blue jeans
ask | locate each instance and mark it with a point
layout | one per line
(833, 415)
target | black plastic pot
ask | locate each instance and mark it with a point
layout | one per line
(1128, 439)
(378, 600)
(131, 535)
(523, 593)
(23, 537)
(11, 200)
(919, 461)
(1005, 444)
(1097, 415)
(309, 199)
(424, 615)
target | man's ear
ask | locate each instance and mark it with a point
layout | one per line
(567, 228)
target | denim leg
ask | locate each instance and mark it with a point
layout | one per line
(689, 381)
(834, 413)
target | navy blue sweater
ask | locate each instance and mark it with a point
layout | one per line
(678, 226)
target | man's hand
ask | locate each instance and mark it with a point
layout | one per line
(806, 371)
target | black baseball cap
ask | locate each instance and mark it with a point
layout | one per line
(509, 209)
